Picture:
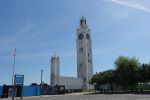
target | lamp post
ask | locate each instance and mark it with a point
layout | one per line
(41, 81)
(13, 76)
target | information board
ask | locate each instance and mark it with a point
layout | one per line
(19, 79)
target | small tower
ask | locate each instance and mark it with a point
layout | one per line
(54, 70)
(84, 53)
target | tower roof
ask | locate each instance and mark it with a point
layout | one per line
(55, 55)
(83, 22)
(82, 18)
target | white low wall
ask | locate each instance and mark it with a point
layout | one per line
(71, 82)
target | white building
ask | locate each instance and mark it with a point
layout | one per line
(71, 83)
(84, 61)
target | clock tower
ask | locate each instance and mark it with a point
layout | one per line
(84, 53)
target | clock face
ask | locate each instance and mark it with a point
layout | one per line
(80, 37)
(88, 36)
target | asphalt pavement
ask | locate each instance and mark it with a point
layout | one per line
(86, 96)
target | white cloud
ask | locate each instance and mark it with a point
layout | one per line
(121, 14)
(34, 55)
(13, 38)
(132, 4)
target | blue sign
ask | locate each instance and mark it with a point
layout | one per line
(19, 79)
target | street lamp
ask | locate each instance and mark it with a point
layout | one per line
(13, 76)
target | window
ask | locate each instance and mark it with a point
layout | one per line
(89, 49)
(89, 60)
(81, 49)
(81, 64)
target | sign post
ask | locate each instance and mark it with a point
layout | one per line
(19, 80)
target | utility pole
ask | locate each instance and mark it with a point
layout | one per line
(41, 81)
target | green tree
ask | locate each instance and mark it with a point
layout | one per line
(103, 78)
(95, 79)
(127, 71)
(108, 77)
(144, 73)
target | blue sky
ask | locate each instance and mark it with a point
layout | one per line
(38, 28)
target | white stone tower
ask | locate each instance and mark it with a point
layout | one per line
(54, 70)
(84, 53)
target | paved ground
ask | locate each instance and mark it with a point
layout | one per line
(80, 96)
